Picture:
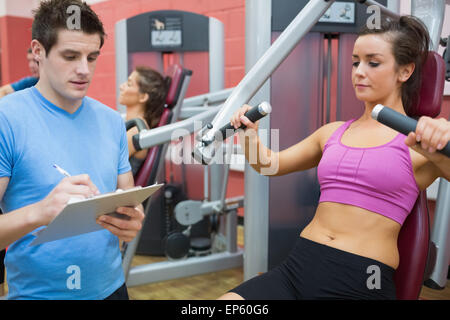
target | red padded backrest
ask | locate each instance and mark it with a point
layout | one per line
(175, 72)
(432, 89)
(146, 169)
(414, 237)
(413, 244)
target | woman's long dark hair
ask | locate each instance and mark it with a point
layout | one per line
(410, 44)
(156, 86)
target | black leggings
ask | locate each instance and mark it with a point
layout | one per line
(316, 271)
(119, 294)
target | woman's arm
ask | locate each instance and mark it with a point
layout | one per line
(431, 135)
(5, 90)
(130, 134)
(302, 156)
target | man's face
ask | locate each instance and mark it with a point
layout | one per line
(67, 70)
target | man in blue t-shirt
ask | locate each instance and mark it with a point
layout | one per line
(24, 82)
(55, 123)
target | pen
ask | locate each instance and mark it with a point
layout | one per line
(61, 170)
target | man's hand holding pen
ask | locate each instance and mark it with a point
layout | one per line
(69, 187)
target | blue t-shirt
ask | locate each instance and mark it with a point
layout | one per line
(34, 135)
(24, 83)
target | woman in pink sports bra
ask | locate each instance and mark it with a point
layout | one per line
(370, 176)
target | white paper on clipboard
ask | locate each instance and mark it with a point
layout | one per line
(79, 217)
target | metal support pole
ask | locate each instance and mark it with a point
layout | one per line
(256, 204)
(432, 15)
(441, 237)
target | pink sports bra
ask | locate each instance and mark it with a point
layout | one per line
(379, 179)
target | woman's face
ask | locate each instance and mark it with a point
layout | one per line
(375, 75)
(129, 91)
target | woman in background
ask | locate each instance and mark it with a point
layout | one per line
(144, 95)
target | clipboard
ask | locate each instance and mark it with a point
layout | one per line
(79, 216)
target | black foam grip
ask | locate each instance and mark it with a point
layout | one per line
(403, 124)
(253, 115)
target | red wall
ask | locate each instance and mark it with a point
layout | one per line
(230, 12)
(15, 36)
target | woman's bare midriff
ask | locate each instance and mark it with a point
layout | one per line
(355, 230)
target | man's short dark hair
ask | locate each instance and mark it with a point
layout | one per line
(52, 16)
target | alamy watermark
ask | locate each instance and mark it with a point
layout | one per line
(73, 22)
(374, 280)
(221, 152)
(73, 282)
(373, 21)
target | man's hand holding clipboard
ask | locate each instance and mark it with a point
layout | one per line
(92, 212)
(126, 224)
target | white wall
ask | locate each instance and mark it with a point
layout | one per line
(23, 8)
(18, 8)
